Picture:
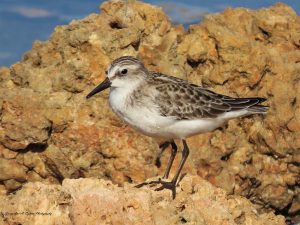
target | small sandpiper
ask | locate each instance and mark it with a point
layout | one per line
(167, 107)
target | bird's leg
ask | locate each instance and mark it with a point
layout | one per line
(162, 147)
(171, 159)
(172, 185)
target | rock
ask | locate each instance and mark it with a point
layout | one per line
(88, 201)
(11, 169)
(49, 131)
(6, 153)
(12, 185)
(3, 190)
(22, 121)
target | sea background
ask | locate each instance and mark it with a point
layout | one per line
(23, 21)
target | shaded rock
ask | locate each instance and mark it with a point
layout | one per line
(49, 131)
(92, 201)
(12, 185)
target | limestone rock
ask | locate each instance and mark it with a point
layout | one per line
(92, 201)
(49, 131)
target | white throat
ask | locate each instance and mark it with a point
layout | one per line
(119, 95)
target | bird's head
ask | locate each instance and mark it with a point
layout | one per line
(123, 72)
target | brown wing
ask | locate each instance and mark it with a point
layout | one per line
(182, 100)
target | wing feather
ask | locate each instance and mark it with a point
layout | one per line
(179, 99)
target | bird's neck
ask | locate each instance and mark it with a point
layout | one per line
(120, 97)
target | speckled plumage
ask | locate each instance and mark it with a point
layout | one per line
(184, 101)
(163, 106)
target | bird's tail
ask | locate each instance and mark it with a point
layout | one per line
(245, 106)
(258, 109)
(249, 104)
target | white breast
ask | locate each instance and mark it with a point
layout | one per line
(143, 117)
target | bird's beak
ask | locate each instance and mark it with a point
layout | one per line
(105, 84)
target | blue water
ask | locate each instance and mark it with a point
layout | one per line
(23, 21)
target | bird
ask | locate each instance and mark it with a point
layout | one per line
(167, 107)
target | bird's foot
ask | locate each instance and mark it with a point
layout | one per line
(168, 185)
(164, 185)
(149, 183)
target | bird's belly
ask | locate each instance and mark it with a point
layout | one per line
(186, 128)
(164, 127)
(147, 122)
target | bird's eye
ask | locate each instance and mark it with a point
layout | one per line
(106, 72)
(123, 71)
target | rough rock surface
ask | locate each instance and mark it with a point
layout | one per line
(93, 201)
(49, 131)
